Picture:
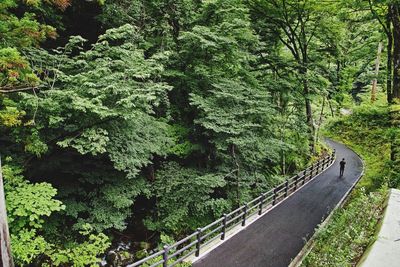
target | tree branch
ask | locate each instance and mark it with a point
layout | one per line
(377, 17)
(6, 90)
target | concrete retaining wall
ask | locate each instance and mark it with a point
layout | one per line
(386, 249)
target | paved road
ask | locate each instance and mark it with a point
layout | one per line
(278, 236)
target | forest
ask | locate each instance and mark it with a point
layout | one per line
(127, 124)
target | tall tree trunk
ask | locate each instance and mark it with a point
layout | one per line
(304, 55)
(5, 247)
(375, 80)
(389, 56)
(396, 51)
(309, 114)
(395, 114)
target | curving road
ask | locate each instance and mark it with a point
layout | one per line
(278, 236)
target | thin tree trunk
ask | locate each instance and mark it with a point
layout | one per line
(237, 175)
(322, 111)
(283, 163)
(283, 157)
(5, 247)
(320, 118)
(389, 57)
(282, 133)
(330, 106)
(338, 68)
(310, 121)
(375, 80)
(395, 114)
(396, 51)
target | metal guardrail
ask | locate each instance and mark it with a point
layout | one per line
(176, 253)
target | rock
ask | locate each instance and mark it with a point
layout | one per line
(118, 258)
(113, 259)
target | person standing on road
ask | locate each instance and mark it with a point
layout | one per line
(342, 165)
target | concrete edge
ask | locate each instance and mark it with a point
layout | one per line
(296, 262)
(218, 242)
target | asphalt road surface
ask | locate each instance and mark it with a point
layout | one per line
(277, 237)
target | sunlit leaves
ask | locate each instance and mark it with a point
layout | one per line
(14, 69)
(28, 203)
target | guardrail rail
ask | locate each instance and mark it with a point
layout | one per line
(176, 253)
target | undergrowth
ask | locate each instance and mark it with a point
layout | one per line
(367, 132)
(350, 231)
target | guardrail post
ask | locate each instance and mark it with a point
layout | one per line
(318, 167)
(198, 242)
(244, 215)
(311, 171)
(274, 197)
(261, 204)
(304, 176)
(224, 227)
(165, 256)
(286, 188)
(296, 178)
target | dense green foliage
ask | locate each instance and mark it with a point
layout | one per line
(28, 206)
(135, 119)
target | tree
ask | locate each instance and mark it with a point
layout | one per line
(300, 26)
(375, 80)
(232, 109)
(16, 33)
(180, 111)
(104, 103)
(391, 11)
(160, 22)
(189, 189)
